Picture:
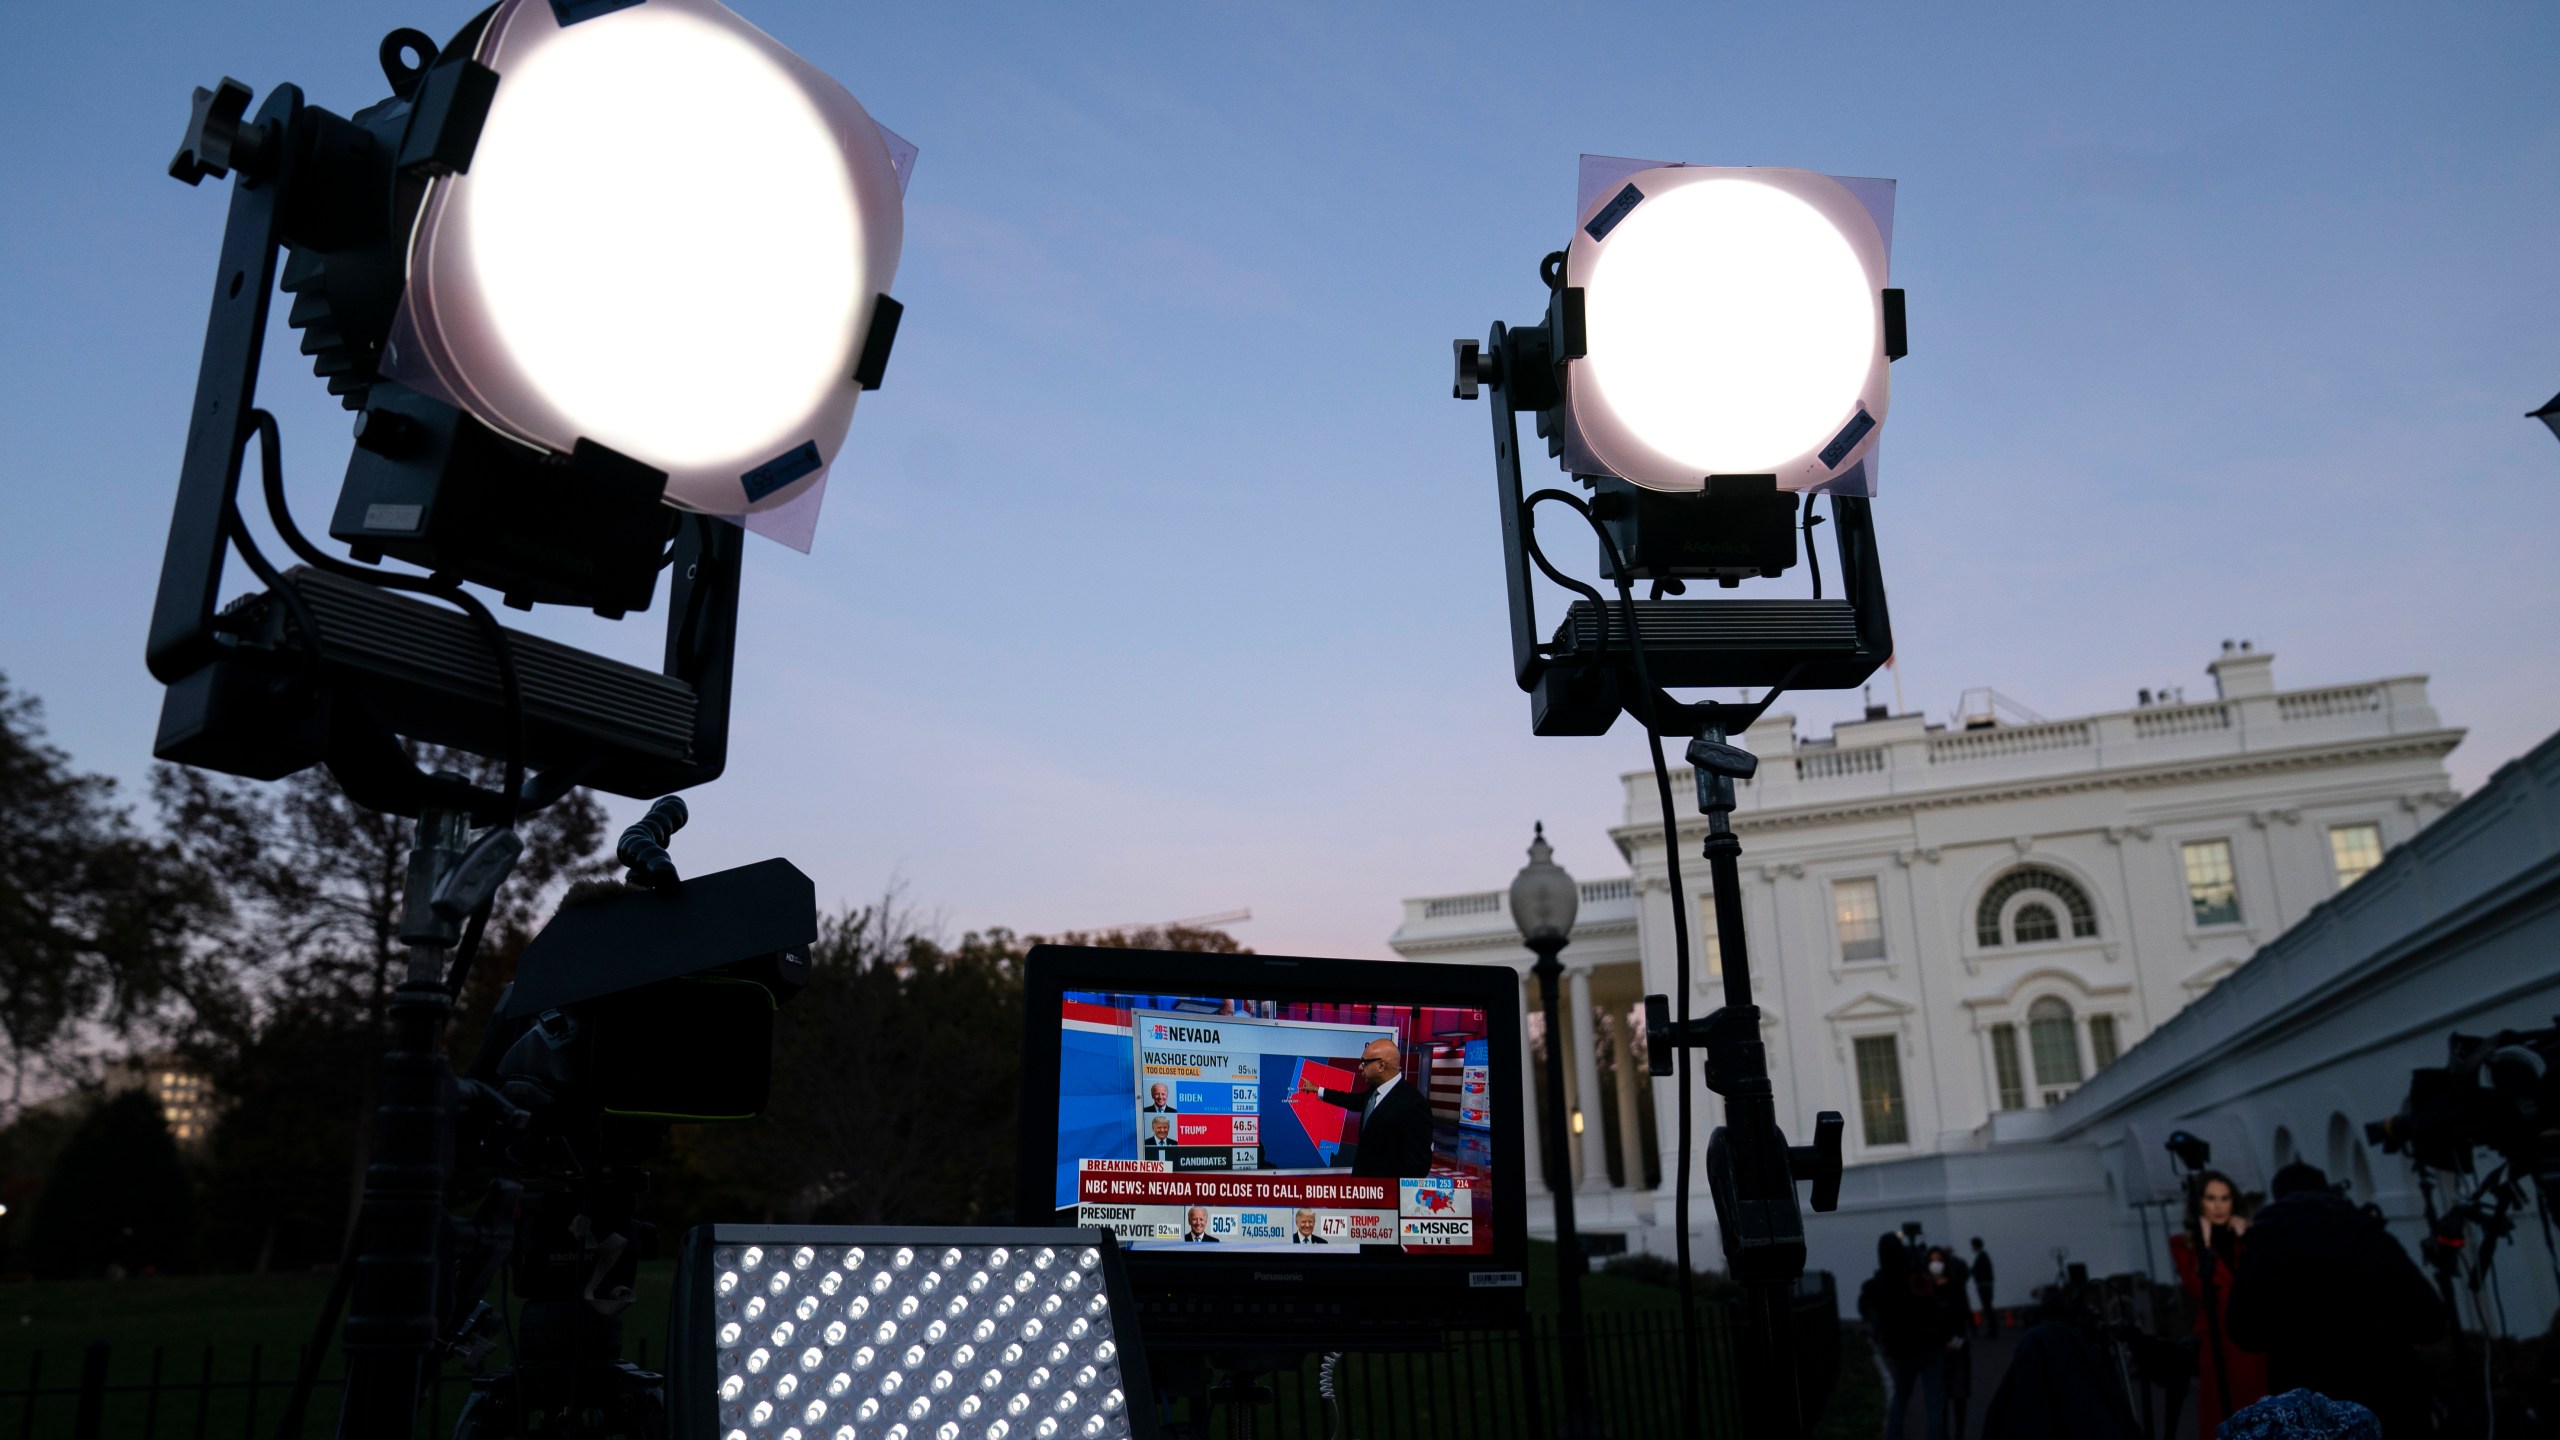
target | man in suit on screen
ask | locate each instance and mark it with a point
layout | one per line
(1160, 1139)
(1395, 1121)
(1159, 1098)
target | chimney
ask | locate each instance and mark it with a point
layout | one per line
(2243, 670)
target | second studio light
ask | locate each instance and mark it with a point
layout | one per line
(1735, 323)
(819, 1332)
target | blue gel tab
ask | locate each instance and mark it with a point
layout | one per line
(1613, 212)
(570, 12)
(1848, 438)
(781, 470)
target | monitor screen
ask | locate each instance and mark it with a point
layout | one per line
(1328, 1127)
(1294, 1152)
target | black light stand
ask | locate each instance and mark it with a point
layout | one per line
(400, 1288)
(1581, 1416)
(1612, 657)
(1751, 1169)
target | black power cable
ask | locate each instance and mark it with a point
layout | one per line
(438, 586)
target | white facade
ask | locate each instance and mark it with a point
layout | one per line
(2287, 1059)
(1926, 901)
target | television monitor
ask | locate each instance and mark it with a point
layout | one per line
(1233, 1121)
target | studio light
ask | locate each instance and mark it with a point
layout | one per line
(1734, 325)
(1716, 345)
(603, 281)
(819, 1332)
(671, 242)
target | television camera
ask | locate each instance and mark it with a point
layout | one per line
(2500, 1092)
(2497, 1092)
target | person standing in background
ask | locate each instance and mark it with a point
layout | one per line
(2335, 1303)
(1982, 1287)
(1948, 1274)
(2209, 1248)
(1908, 1319)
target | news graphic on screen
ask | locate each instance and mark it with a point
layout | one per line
(1222, 1120)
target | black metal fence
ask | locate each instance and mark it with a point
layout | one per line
(1491, 1385)
(209, 1394)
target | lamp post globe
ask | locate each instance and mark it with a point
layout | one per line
(1543, 901)
(1543, 897)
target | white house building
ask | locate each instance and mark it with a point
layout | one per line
(1953, 927)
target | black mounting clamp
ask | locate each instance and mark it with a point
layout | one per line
(1731, 1039)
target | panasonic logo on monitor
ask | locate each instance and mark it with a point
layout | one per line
(1188, 1034)
(1268, 1275)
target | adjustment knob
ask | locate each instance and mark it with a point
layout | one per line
(1661, 1056)
(217, 142)
(1819, 1162)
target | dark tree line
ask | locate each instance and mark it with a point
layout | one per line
(253, 931)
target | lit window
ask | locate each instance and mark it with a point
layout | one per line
(2056, 1045)
(1880, 1091)
(1858, 918)
(2004, 1067)
(2102, 1040)
(2035, 922)
(2354, 849)
(2211, 889)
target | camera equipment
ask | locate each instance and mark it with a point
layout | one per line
(628, 1010)
(887, 1331)
(2496, 1092)
(2499, 1091)
(1717, 343)
(1226, 1117)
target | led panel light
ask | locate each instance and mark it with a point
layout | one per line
(1733, 325)
(820, 1332)
(671, 241)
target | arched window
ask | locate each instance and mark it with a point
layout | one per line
(2056, 1046)
(2057, 888)
(2035, 921)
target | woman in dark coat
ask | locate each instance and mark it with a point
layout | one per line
(2211, 1243)
(1908, 1318)
(1949, 1275)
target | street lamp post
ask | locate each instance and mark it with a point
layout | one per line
(1543, 901)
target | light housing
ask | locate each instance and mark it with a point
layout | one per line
(837, 1332)
(673, 240)
(1731, 321)
(472, 461)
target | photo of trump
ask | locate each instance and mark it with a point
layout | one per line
(1304, 1231)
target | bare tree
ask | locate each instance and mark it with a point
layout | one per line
(95, 918)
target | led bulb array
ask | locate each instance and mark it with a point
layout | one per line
(898, 1342)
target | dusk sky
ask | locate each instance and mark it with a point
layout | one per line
(1163, 576)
